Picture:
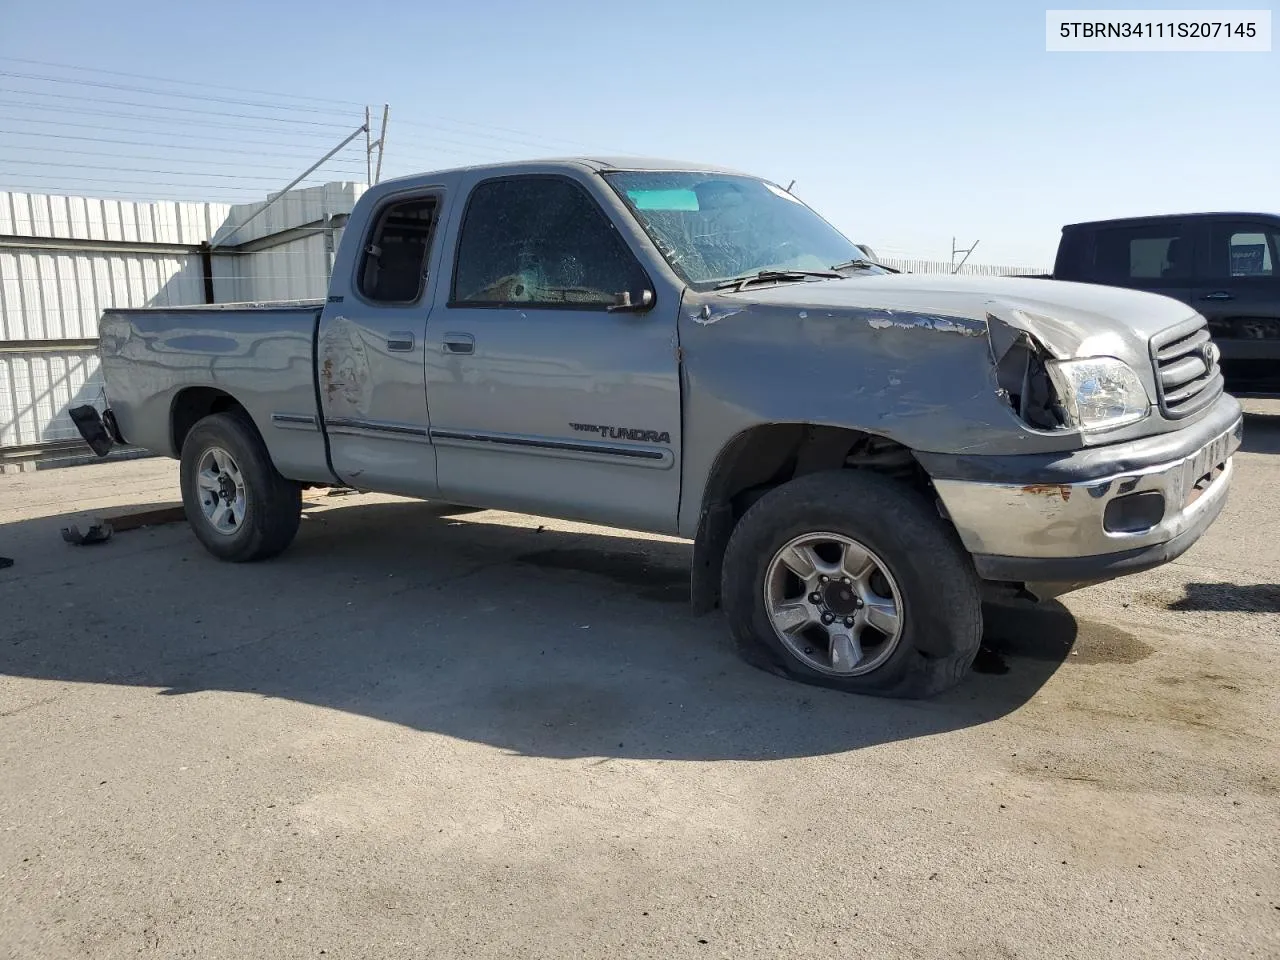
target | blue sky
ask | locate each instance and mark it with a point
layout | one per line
(904, 123)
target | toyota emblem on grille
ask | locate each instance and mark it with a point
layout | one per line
(1210, 354)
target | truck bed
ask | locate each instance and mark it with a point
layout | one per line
(160, 361)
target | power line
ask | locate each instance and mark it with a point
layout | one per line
(168, 173)
(160, 106)
(140, 118)
(349, 168)
(129, 88)
(315, 135)
(486, 126)
(132, 143)
(142, 188)
(429, 144)
(190, 83)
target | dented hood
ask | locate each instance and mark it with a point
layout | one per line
(1069, 319)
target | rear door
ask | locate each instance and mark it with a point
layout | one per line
(1239, 292)
(370, 351)
(543, 399)
(1155, 256)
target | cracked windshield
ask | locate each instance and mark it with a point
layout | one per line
(713, 227)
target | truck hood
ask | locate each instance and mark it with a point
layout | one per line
(1068, 319)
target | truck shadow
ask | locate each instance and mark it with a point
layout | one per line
(541, 642)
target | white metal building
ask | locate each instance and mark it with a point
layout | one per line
(63, 260)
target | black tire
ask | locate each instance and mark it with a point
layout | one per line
(940, 594)
(273, 504)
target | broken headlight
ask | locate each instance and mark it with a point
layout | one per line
(1099, 393)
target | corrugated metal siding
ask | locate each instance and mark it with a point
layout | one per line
(309, 205)
(37, 390)
(95, 218)
(60, 294)
(297, 270)
(969, 269)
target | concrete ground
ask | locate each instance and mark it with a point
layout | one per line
(482, 735)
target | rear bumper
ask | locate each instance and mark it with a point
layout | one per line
(1106, 515)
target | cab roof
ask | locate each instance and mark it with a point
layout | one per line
(596, 164)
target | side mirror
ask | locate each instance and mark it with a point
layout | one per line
(625, 303)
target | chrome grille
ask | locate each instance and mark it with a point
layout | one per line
(1188, 377)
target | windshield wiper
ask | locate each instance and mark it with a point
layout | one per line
(774, 276)
(862, 263)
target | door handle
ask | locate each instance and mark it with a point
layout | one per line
(1218, 295)
(401, 341)
(459, 343)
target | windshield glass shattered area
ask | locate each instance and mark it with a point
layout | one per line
(713, 227)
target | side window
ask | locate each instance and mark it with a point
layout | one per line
(540, 241)
(1242, 250)
(393, 266)
(1158, 251)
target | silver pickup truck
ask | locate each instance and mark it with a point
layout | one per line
(857, 455)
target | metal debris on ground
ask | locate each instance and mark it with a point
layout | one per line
(99, 532)
(6, 562)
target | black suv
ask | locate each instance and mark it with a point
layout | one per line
(1225, 265)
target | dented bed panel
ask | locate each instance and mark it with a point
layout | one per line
(261, 356)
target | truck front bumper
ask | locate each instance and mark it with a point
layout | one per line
(1061, 521)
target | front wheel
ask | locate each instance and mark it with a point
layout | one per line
(850, 580)
(237, 503)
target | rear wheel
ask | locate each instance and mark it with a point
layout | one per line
(237, 503)
(850, 580)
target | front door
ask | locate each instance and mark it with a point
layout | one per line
(1238, 291)
(543, 399)
(370, 354)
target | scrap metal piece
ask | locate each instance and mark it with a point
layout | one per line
(89, 423)
(99, 532)
(6, 562)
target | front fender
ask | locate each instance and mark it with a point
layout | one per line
(926, 381)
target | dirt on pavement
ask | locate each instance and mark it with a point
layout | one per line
(425, 733)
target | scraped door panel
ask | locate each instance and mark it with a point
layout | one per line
(370, 355)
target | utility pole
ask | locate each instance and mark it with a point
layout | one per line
(381, 142)
(225, 240)
(368, 149)
(955, 267)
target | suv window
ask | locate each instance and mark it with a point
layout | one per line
(393, 266)
(540, 241)
(1158, 251)
(1242, 250)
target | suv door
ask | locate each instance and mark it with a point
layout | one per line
(370, 352)
(1155, 256)
(543, 399)
(1239, 292)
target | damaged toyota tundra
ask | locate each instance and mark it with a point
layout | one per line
(859, 456)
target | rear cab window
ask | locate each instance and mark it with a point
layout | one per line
(393, 263)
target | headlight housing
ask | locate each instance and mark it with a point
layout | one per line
(1099, 393)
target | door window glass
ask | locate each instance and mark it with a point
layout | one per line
(1247, 252)
(540, 241)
